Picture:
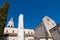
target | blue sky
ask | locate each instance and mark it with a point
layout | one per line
(33, 10)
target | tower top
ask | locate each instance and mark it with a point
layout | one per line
(20, 21)
(21, 15)
(46, 17)
(11, 23)
(11, 19)
(49, 24)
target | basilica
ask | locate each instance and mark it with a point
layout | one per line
(47, 29)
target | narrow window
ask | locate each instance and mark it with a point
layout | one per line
(9, 26)
(58, 30)
(28, 32)
(21, 27)
(31, 32)
(48, 19)
(54, 29)
(41, 25)
(24, 32)
(13, 31)
(6, 31)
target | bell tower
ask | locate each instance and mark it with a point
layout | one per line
(20, 28)
(49, 23)
(10, 23)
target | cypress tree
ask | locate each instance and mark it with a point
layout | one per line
(3, 17)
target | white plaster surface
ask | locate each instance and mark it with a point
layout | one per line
(20, 28)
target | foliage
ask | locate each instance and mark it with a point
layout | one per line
(3, 16)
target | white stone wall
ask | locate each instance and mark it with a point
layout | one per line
(29, 38)
(12, 38)
(45, 39)
(28, 31)
(10, 30)
(49, 24)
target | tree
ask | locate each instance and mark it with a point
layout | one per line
(3, 17)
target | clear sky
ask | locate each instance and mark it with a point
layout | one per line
(33, 10)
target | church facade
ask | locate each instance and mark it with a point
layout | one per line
(43, 31)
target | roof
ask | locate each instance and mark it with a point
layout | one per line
(57, 26)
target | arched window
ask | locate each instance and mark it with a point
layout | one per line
(54, 29)
(13, 31)
(9, 26)
(21, 27)
(48, 19)
(24, 32)
(31, 32)
(40, 25)
(6, 31)
(28, 32)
